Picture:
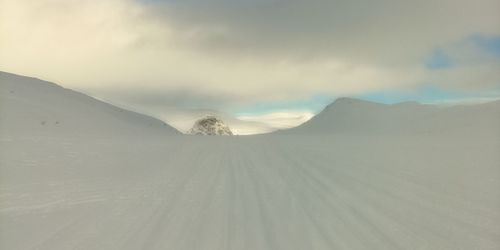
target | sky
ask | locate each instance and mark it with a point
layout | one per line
(275, 62)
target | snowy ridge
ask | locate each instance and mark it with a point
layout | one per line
(353, 116)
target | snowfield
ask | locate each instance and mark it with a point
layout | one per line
(106, 178)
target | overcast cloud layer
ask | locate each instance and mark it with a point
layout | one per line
(220, 54)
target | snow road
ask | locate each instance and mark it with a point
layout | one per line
(260, 192)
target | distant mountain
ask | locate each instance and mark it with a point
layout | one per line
(30, 105)
(348, 115)
(210, 125)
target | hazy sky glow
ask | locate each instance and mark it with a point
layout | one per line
(256, 57)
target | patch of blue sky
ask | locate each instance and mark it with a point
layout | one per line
(487, 44)
(425, 94)
(428, 94)
(439, 59)
(474, 49)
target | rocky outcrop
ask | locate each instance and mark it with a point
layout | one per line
(210, 125)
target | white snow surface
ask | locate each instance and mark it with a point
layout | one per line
(105, 178)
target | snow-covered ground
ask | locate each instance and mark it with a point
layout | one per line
(105, 178)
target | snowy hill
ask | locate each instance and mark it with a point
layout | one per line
(348, 115)
(32, 106)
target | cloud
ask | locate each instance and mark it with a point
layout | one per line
(363, 31)
(122, 44)
(280, 120)
(191, 54)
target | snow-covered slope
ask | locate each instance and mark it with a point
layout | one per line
(319, 190)
(31, 106)
(353, 116)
